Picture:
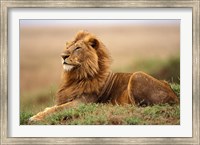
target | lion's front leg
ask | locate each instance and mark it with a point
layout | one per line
(48, 111)
(39, 116)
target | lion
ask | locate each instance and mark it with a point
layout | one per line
(87, 78)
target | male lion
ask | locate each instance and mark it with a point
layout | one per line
(87, 79)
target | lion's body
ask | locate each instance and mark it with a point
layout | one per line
(137, 88)
(87, 79)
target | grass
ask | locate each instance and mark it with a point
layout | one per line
(108, 114)
(24, 116)
(176, 88)
(168, 70)
(38, 100)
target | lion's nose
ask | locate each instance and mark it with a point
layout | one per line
(64, 56)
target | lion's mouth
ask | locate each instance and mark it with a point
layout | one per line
(67, 67)
(64, 62)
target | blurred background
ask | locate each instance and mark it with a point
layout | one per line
(152, 46)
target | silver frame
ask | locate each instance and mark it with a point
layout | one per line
(5, 5)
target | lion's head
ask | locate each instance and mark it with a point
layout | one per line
(85, 56)
(86, 65)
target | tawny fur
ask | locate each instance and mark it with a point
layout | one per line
(91, 80)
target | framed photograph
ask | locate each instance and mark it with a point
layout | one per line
(159, 38)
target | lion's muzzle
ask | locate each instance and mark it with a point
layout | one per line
(66, 65)
(64, 56)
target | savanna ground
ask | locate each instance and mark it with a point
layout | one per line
(153, 49)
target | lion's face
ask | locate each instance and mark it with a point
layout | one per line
(73, 55)
(81, 55)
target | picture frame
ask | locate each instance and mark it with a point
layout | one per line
(5, 5)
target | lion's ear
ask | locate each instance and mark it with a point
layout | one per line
(93, 42)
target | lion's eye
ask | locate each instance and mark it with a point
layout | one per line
(77, 48)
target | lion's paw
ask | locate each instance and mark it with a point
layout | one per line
(34, 119)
